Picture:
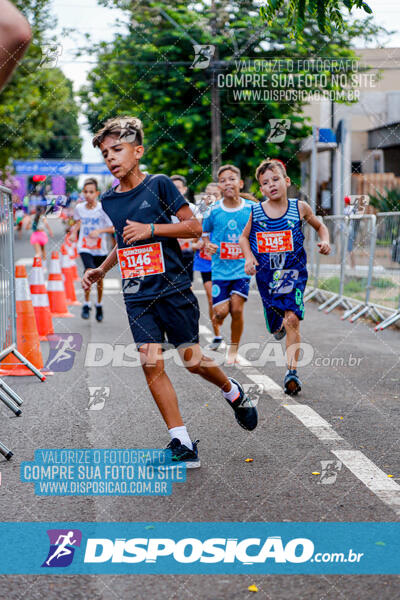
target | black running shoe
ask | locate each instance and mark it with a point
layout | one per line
(99, 313)
(292, 383)
(86, 311)
(279, 335)
(245, 413)
(182, 454)
(215, 344)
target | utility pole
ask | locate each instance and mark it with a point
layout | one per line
(215, 102)
(215, 99)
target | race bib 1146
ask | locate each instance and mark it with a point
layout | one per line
(274, 241)
(140, 261)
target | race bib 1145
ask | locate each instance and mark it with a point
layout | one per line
(274, 241)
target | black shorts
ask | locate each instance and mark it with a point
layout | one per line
(90, 261)
(206, 276)
(173, 319)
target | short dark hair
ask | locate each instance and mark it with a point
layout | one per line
(127, 129)
(229, 168)
(91, 181)
(179, 178)
(270, 164)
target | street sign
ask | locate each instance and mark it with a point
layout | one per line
(65, 168)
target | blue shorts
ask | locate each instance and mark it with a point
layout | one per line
(274, 308)
(222, 290)
(173, 319)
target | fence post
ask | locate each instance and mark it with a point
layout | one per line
(8, 314)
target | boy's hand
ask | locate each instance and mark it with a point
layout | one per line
(91, 276)
(211, 248)
(324, 247)
(250, 266)
(198, 244)
(94, 234)
(135, 231)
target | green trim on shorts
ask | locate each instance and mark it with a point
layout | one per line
(266, 320)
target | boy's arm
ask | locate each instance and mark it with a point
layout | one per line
(307, 214)
(75, 227)
(92, 275)
(188, 227)
(15, 36)
(244, 240)
(251, 261)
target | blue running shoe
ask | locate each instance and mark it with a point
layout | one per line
(182, 454)
(292, 383)
(245, 413)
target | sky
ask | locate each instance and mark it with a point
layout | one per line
(87, 16)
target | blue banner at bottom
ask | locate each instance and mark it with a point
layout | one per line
(200, 548)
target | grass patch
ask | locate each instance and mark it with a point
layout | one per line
(354, 286)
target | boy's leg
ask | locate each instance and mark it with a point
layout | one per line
(160, 385)
(221, 311)
(292, 325)
(216, 327)
(100, 290)
(292, 383)
(196, 362)
(236, 310)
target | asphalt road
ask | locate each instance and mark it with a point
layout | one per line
(350, 387)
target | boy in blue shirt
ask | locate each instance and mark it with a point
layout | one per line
(272, 243)
(157, 290)
(230, 283)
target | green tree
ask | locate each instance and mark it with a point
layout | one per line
(147, 72)
(328, 13)
(37, 107)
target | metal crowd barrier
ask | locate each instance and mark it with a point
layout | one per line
(353, 263)
(8, 314)
(388, 259)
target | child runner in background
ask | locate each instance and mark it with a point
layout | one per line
(186, 245)
(39, 237)
(272, 243)
(157, 290)
(230, 282)
(202, 260)
(93, 224)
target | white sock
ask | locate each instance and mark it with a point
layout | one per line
(182, 435)
(99, 304)
(233, 392)
(89, 304)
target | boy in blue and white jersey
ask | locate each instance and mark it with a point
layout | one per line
(272, 243)
(230, 282)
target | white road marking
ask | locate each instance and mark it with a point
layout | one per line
(316, 424)
(376, 480)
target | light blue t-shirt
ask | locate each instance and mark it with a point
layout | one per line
(225, 226)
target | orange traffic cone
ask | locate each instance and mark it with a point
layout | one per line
(72, 253)
(68, 277)
(40, 300)
(55, 289)
(27, 334)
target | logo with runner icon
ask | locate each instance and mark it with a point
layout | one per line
(62, 349)
(63, 543)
